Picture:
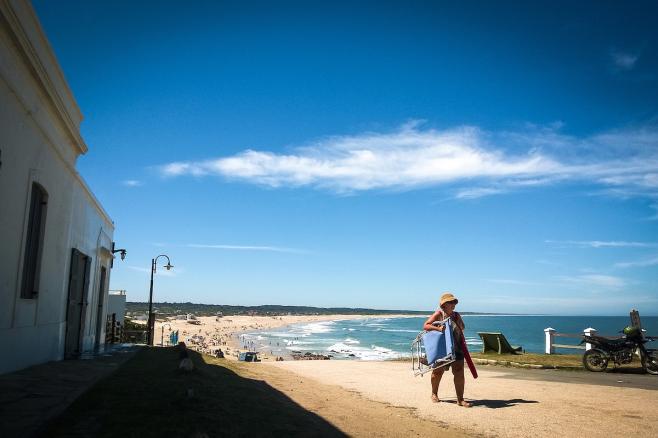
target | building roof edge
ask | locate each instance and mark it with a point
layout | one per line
(36, 51)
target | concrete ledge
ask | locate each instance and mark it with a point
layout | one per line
(31, 397)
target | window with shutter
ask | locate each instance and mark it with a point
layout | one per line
(34, 242)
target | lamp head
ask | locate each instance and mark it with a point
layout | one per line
(169, 266)
(121, 251)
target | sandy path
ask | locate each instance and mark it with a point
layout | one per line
(505, 406)
(349, 411)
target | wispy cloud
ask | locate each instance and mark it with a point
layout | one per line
(654, 217)
(624, 60)
(547, 262)
(131, 183)
(477, 192)
(511, 282)
(602, 244)
(569, 303)
(248, 248)
(638, 264)
(484, 162)
(160, 271)
(595, 280)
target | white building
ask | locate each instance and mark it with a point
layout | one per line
(55, 237)
(116, 305)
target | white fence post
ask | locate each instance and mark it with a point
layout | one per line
(549, 340)
(589, 332)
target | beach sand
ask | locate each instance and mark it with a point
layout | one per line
(224, 332)
(348, 410)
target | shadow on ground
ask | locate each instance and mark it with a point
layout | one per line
(626, 370)
(148, 396)
(497, 404)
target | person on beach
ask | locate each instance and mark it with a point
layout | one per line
(446, 309)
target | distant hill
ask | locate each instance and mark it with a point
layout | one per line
(265, 310)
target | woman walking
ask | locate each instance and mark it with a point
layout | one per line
(446, 309)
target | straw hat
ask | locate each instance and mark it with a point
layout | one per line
(447, 297)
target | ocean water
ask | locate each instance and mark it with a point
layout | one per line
(389, 338)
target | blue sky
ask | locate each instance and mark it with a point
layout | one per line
(373, 155)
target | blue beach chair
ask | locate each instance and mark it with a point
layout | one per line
(432, 349)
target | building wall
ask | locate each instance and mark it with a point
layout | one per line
(40, 142)
(117, 305)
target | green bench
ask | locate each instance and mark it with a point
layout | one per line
(497, 343)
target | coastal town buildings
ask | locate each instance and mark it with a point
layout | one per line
(55, 236)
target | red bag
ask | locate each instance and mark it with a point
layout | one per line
(469, 361)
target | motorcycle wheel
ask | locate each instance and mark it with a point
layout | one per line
(650, 362)
(595, 360)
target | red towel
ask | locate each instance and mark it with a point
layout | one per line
(469, 361)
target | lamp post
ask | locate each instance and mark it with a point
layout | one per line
(151, 320)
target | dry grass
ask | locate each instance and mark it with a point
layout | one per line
(149, 397)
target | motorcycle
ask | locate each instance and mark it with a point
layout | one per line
(620, 351)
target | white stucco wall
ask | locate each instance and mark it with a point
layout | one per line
(117, 305)
(40, 142)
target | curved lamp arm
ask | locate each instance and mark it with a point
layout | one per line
(168, 265)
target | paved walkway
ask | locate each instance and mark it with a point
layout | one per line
(621, 378)
(31, 397)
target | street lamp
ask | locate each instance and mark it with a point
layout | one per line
(121, 251)
(151, 320)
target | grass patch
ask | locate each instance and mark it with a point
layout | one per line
(564, 360)
(571, 361)
(552, 360)
(149, 397)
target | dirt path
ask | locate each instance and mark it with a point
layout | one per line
(348, 410)
(505, 404)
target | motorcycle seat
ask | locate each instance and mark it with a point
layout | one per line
(612, 342)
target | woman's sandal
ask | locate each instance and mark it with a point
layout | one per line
(435, 398)
(465, 404)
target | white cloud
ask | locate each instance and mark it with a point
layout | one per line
(248, 248)
(638, 264)
(131, 183)
(570, 304)
(602, 243)
(479, 163)
(511, 282)
(595, 280)
(624, 60)
(160, 271)
(477, 192)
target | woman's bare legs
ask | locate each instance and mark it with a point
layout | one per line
(460, 381)
(436, 379)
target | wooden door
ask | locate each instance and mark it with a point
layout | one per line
(77, 303)
(99, 312)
